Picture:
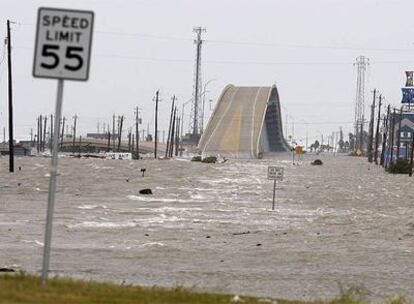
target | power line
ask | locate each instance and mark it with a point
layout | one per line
(308, 46)
(149, 36)
(247, 43)
(324, 123)
(226, 62)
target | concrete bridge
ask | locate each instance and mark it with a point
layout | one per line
(246, 123)
(91, 145)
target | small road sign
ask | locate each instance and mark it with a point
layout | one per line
(63, 44)
(275, 173)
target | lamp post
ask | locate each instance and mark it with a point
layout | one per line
(182, 125)
(204, 101)
(306, 125)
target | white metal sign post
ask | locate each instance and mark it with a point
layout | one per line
(62, 51)
(275, 174)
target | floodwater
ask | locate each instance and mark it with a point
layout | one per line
(210, 226)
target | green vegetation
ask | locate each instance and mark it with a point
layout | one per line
(400, 166)
(196, 159)
(22, 288)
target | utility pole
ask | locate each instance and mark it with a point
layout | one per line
(371, 127)
(156, 124)
(411, 156)
(109, 141)
(137, 132)
(377, 131)
(129, 140)
(41, 133)
(169, 128)
(177, 135)
(74, 130)
(51, 133)
(120, 132)
(38, 134)
(44, 133)
(384, 135)
(113, 132)
(399, 133)
(362, 64)
(172, 133)
(392, 135)
(181, 132)
(10, 79)
(63, 132)
(197, 86)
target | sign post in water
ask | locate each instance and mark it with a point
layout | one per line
(276, 174)
(62, 51)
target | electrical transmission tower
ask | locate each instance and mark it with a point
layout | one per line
(361, 64)
(196, 111)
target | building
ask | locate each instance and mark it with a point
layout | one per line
(19, 149)
(402, 124)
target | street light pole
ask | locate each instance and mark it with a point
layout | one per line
(204, 101)
(182, 125)
(306, 137)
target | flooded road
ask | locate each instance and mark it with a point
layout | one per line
(211, 227)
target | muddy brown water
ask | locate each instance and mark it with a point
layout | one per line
(211, 227)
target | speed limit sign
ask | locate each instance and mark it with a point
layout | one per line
(63, 44)
(62, 51)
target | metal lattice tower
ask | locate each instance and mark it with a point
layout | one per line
(361, 63)
(196, 105)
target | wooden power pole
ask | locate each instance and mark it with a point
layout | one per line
(63, 132)
(169, 129)
(121, 121)
(137, 132)
(392, 136)
(156, 124)
(377, 131)
(400, 118)
(172, 133)
(371, 127)
(44, 133)
(113, 133)
(385, 134)
(75, 120)
(51, 133)
(10, 79)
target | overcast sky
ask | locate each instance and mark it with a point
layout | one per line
(306, 47)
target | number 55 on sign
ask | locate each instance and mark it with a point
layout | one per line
(63, 44)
